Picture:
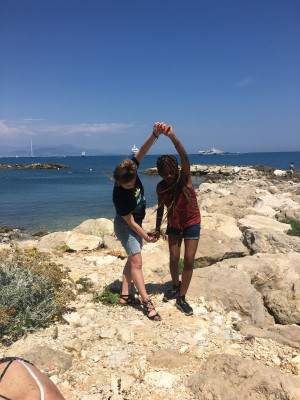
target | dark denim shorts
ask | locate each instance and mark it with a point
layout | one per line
(191, 232)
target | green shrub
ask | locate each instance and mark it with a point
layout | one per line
(295, 226)
(85, 285)
(109, 296)
(34, 291)
(181, 265)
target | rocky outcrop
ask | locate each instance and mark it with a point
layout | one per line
(216, 284)
(243, 340)
(230, 377)
(34, 166)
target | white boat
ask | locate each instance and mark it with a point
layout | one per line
(213, 150)
(83, 154)
(134, 149)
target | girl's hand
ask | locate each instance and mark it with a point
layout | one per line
(159, 128)
(168, 130)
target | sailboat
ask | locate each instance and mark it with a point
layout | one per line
(31, 152)
(83, 154)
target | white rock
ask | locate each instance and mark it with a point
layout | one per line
(160, 379)
(54, 379)
(127, 381)
(107, 333)
(73, 318)
(114, 383)
(80, 241)
(235, 170)
(126, 335)
(200, 310)
(85, 321)
(279, 172)
(185, 338)
(214, 330)
(296, 364)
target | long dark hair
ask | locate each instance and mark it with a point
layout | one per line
(179, 186)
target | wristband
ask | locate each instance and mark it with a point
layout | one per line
(156, 137)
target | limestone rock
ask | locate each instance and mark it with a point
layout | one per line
(230, 377)
(53, 241)
(160, 379)
(44, 357)
(97, 227)
(168, 358)
(232, 288)
(270, 241)
(80, 241)
(256, 222)
(221, 223)
(216, 246)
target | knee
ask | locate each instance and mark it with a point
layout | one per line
(189, 262)
(137, 266)
(174, 259)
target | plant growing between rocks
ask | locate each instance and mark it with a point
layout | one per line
(34, 291)
(181, 265)
(295, 230)
(109, 296)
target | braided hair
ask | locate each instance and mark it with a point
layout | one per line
(178, 186)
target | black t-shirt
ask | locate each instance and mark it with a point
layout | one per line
(132, 201)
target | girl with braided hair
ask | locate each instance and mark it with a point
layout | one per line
(129, 201)
(177, 194)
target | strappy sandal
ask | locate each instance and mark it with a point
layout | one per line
(130, 300)
(148, 307)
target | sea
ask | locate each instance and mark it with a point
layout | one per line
(60, 199)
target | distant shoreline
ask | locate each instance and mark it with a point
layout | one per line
(33, 166)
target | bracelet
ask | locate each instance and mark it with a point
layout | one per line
(177, 144)
(156, 137)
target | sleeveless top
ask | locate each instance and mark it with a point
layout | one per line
(185, 213)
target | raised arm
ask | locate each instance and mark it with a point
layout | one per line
(157, 131)
(185, 163)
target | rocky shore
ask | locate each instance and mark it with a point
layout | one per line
(243, 341)
(33, 166)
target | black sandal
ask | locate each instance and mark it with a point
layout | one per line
(148, 307)
(130, 300)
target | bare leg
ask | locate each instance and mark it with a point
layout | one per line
(174, 248)
(133, 271)
(189, 258)
(127, 279)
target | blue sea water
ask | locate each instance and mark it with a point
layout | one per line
(61, 199)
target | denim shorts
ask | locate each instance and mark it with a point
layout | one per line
(131, 241)
(191, 232)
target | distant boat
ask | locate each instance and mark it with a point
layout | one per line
(134, 149)
(212, 151)
(31, 152)
(83, 154)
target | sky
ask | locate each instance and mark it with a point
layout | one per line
(99, 73)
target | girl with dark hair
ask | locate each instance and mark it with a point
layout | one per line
(177, 194)
(129, 201)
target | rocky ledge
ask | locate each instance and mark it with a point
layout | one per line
(243, 340)
(217, 172)
(33, 166)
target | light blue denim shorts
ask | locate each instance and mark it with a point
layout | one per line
(131, 241)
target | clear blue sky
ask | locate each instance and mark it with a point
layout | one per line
(98, 73)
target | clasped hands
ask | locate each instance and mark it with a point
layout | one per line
(160, 128)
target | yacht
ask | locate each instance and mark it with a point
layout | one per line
(134, 149)
(212, 151)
